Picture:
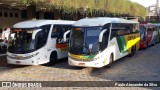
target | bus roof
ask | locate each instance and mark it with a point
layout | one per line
(148, 25)
(37, 23)
(100, 21)
(157, 24)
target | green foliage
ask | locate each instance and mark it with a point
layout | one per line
(29, 2)
(109, 6)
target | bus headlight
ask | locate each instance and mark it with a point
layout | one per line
(96, 58)
(21, 57)
(31, 56)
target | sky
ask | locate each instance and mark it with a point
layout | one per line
(145, 3)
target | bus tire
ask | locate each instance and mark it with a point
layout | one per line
(135, 49)
(53, 58)
(132, 51)
(110, 60)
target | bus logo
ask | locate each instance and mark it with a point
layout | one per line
(6, 84)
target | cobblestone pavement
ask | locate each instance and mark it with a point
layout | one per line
(144, 66)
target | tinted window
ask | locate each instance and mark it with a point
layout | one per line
(42, 36)
(25, 40)
(132, 28)
(123, 29)
(151, 29)
(104, 43)
(59, 30)
(142, 30)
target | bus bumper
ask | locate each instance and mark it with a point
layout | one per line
(95, 64)
(21, 62)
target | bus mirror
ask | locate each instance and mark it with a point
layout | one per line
(101, 35)
(65, 35)
(35, 32)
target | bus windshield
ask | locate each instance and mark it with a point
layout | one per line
(85, 40)
(25, 40)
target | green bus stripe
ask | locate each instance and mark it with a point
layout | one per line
(121, 43)
(89, 56)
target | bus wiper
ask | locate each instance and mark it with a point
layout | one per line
(86, 51)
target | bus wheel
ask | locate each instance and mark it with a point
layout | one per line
(110, 61)
(132, 52)
(53, 58)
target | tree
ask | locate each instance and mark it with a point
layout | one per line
(120, 7)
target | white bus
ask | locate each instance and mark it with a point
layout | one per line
(37, 42)
(96, 42)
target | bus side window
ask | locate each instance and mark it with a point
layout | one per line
(123, 32)
(55, 31)
(113, 33)
(59, 30)
(149, 30)
(120, 32)
(66, 28)
(63, 29)
(136, 28)
(39, 40)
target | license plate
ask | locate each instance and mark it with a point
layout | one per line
(18, 62)
(82, 64)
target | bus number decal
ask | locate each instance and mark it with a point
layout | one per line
(131, 37)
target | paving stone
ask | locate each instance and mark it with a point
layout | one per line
(144, 66)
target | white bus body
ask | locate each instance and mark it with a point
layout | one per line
(96, 42)
(37, 42)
